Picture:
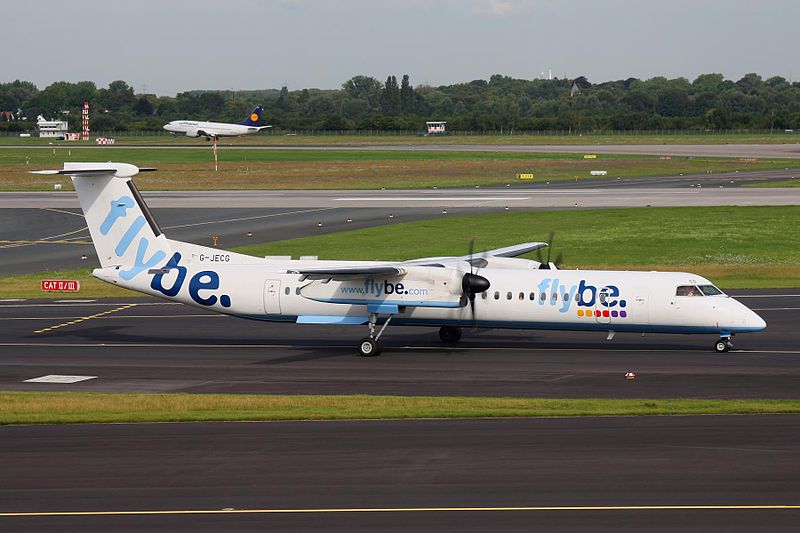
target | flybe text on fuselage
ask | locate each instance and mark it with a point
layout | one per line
(582, 294)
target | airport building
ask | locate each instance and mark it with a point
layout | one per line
(52, 128)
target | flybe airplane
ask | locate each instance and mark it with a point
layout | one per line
(492, 289)
(209, 130)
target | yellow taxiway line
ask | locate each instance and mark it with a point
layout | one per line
(85, 318)
(408, 510)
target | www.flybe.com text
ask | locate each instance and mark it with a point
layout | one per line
(378, 289)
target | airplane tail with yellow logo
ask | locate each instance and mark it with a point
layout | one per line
(254, 116)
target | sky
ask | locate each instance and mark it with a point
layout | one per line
(168, 46)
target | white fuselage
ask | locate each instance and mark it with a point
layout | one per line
(193, 128)
(520, 296)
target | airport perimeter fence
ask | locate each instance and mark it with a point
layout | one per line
(455, 133)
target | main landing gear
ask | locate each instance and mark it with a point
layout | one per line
(724, 344)
(450, 334)
(372, 346)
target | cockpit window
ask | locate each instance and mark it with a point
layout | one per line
(688, 290)
(709, 290)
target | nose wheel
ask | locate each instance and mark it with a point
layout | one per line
(723, 345)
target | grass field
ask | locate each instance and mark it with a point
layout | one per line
(736, 247)
(65, 407)
(280, 139)
(320, 169)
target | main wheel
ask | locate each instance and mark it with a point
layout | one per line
(449, 334)
(369, 347)
(722, 346)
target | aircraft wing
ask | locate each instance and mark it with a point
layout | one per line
(506, 251)
(350, 273)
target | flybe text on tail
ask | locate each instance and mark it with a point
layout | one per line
(118, 212)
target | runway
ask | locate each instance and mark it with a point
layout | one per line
(517, 198)
(735, 473)
(156, 346)
(787, 150)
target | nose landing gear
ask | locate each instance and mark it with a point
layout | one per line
(724, 344)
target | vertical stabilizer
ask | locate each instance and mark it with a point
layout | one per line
(123, 229)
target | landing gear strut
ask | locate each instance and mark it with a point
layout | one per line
(372, 346)
(450, 334)
(723, 345)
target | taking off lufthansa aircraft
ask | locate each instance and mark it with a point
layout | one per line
(493, 289)
(209, 130)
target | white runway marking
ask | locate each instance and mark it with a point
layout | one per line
(59, 378)
(430, 198)
(73, 301)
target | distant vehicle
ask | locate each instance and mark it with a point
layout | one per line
(492, 289)
(215, 130)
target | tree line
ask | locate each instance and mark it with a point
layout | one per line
(501, 103)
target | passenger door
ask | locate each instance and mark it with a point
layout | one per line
(272, 297)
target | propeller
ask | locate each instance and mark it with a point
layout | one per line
(472, 284)
(545, 264)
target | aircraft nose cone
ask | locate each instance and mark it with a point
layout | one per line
(755, 321)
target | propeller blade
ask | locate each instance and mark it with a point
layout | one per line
(471, 253)
(550, 245)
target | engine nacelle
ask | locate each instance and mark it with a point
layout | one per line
(192, 133)
(419, 287)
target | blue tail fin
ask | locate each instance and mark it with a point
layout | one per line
(254, 116)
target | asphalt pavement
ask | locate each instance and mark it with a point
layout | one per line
(706, 473)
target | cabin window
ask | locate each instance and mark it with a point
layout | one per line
(509, 295)
(565, 296)
(577, 297)
(602, 297)
(688, 290)
(555, 296)
(483, 295)
(709, 290)
(297, 291)
(533, 296)
(288, 291)
(496, 295)
(543, 297)
(522, 296)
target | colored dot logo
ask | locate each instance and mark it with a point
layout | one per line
(606, 314)
(254, 117)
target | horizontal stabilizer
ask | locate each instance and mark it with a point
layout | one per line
(120, 170)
